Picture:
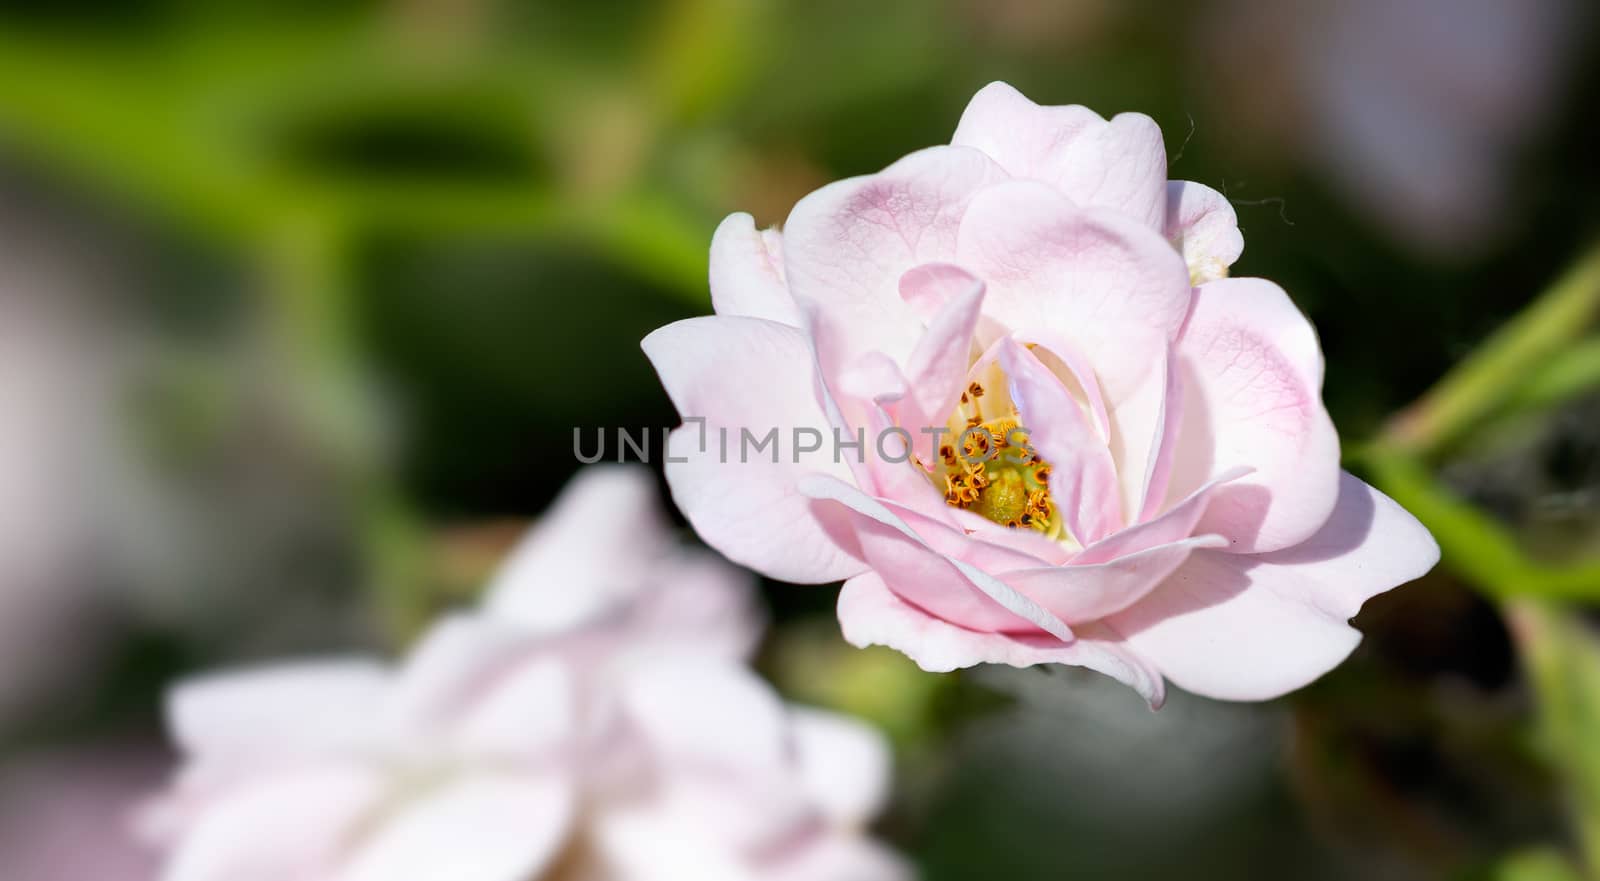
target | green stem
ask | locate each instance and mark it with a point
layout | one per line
(1478, 385)
(309, 296)
(1562, 661)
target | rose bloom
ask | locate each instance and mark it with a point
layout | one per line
(594, 721)
(1083, 442)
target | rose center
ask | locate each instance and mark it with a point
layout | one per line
(991, 469)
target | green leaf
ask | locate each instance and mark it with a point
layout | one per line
(1561, 654)
(1534, 865)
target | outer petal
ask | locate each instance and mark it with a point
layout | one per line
(455, 662)
(293, 825)
(749, 374)
(1112, 289)
(641, 844)
(1254, 627)
(844, 765)
(477, 829)
(700, 713)
(848, 244)
(871, 614)
(1253, 396)
(528, 713)
(596, 547)
(951, 588)
(747, 272)
(1120, 164)
(700, 603)
(310, 705)
(1202, 225)
(851, 857)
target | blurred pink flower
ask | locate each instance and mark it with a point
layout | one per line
(64, 813)
(593, 721)
(1082, 442)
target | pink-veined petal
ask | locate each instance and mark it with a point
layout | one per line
(929, 287)
(847, 245)
(1253, 396)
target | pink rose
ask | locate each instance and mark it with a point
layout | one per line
(1151, 486)
(608, 732)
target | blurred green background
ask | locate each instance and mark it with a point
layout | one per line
(301, 304)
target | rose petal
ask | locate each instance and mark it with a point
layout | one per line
(650, 844)
(1119, 164)
(703, 712)
(748, 374)
(701, 604)
(747, 272)
(1082, 372)
(951, 588)
(594, 549)
(530, 712)
(1240, 627)
(315, 705)
(1202, 225)
(293, 824)
(1081, 593)
(455, 661)
(1252, 396)
(871, 614)
(846, 857)
(1176, 524)
(1083, 481)
(501, 828)
(1113, 290)
(1164, 440)
(844, 765)
(848, 244)
(937, 368)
